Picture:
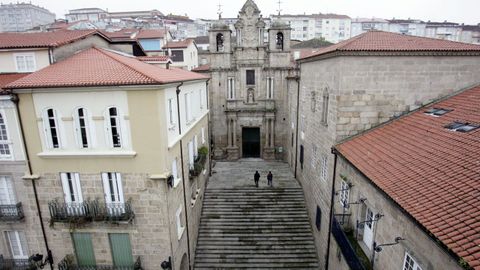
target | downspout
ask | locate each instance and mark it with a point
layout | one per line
(296, 126)
(50, 55)
(332, 198)
(209, 133)
(183, 174)
(14, 98)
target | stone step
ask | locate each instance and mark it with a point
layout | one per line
(274, 248)
(274, 256)
(250, 265)
(233, 231)
(258, 234)
(255, 260)
(253, 214)
(281, 252)
(254, 243)
(258, 225)
(260, 211)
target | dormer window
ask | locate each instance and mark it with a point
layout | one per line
(220, 47)
(279, 44)
(461, 127)
(437, 111)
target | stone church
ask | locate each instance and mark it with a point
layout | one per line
(248, 87)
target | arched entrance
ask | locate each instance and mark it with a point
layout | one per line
(184, 263)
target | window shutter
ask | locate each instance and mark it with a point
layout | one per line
(106, 188)
(121, 249)
(66, 191)
(83, 249)
(120, 188)
(79, 194)
(174, 168)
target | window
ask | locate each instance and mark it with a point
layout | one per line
(195, 145)
(18, 244)
(231, 88)
(25, 62)
(344, 193)
(121, 250)
(188, 108)
(176, 176)
(200, 92)
(324, 172)
(219, 39)
(171, 112)
(313, 102)
(461, 126)
(410, 263)
(7, 194)
(203, 135)
(72, 190)
(177, 56)
(113, 190)
(191, 157)
(114, 126)
(4, 142)
(301, 156)
(180, 225)
(325, 108)
(82, 242)
(279, 40)
(437, 111)
(51, 129)
(318, 218)
(81, 126)
(250, 77)
(270, 88)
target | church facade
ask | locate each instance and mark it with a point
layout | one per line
(248, 86)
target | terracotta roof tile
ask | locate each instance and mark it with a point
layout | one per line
(158, 58)
(429, 170)
(179, 44)
(6, 78)
(387, 41)
(151, 33)
(101, 67)
(42, 39)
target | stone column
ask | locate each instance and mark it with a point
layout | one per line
(229, 132)
(267, 136)
(234, 139)
(272, 133)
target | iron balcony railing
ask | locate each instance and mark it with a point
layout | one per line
(68, 263)
(14, 264)
(11, 212)
(91, 211)
(348, 251)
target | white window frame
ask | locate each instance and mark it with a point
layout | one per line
(188, 110)
(5, 143)
(344, 194)
(48, 129)
(180, 225)
(171, 113)
(88, 127)
(7, 184)
(191, 157)
(18, 238)
(231, 88)
(201, 99)
(270, 88)
(23, 56)
(415, 266)
(195, 146)
(119, 128)
(324, 172)
(113, 191)
(72, 189)
(176, 178)
(203, 135)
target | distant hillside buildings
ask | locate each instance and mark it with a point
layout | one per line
(23, 16)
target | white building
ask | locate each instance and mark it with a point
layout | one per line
(362, 25)
(93, 15)
(23, 16)
(408, 27)
(184, 54)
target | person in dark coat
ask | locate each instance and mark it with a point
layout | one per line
(256, 177)
(270, 178)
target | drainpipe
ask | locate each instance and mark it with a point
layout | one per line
(332, 198)
(14, 98)
(209, 133)
(296, 125)
(183, 175)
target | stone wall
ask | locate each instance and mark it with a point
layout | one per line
(363, 92)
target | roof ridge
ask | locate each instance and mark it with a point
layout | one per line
(350, 41)
(421, 37)
(121, 61)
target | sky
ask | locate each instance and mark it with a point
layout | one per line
(461, 11)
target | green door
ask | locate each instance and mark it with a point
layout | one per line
(83, 249)
(121, 249)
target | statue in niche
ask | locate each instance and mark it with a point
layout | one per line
(250, 96)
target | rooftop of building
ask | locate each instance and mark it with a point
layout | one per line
(6, 78)
(314, 16)
(43, 39)
(151, 33)
(157, 58)
(428, 169)
(179, 44)
(380, 41)
(102, 67)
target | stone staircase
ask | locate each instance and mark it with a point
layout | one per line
(244, 227)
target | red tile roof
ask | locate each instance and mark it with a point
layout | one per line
(393, 42)
(158, 58)
(42, 39)
(6, 78)
(100, 67)
(123, 34)
(179, 44)
(151, 33)
(430, 171)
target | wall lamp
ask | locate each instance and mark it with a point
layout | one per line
(167, 264)
(37, 260)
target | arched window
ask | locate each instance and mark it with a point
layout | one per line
(51, 128)
(220, 47)
(113, 127)
(4, 143)
(280, 41)
(81, 128)
(324, 118)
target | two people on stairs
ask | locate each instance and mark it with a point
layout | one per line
(256, 178)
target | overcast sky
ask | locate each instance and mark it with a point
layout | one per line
(461, 11)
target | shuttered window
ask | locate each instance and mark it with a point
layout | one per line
(82, 243)
(18, 244)
(7, 192)
(121, 249)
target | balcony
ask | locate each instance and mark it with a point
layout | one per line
(262, 105)
(14, 264)
(352, 252)
(11, 212)
(68, 263)
(89, 211)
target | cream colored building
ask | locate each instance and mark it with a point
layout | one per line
(119, 156)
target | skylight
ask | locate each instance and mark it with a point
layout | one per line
(461, 127)
(437, 111)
